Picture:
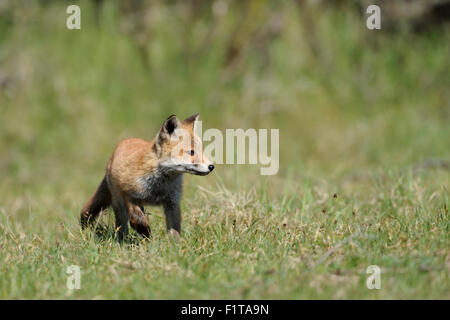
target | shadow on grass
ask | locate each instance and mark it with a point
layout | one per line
(103, 233)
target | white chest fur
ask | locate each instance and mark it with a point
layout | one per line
(159, 188)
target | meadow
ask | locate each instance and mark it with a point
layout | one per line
(364, 153)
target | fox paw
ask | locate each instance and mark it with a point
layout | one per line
(174, 234)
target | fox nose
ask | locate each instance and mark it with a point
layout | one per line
(211, 167)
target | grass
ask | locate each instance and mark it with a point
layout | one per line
(358, 124)
(246, 245)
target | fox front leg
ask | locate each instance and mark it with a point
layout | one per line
(172, 212)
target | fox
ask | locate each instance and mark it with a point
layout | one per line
(141, 172)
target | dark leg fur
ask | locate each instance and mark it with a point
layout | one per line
(122, 218)
(173, 216)
(124, 211)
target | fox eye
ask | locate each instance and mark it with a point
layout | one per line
(191, 152)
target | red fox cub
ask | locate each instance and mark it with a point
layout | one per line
(143, 172)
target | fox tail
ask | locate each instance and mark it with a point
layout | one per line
(99, 201)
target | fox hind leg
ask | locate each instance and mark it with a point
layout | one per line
(125, 211)
(138, 221)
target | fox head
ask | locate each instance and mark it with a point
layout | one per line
(180, 149)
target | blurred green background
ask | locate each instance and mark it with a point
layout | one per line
(345, 98)
(349, 102)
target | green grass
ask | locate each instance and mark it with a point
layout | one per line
(359, 120)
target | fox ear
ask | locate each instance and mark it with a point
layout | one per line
(171, 124)
(191, 120)
(168, 127)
